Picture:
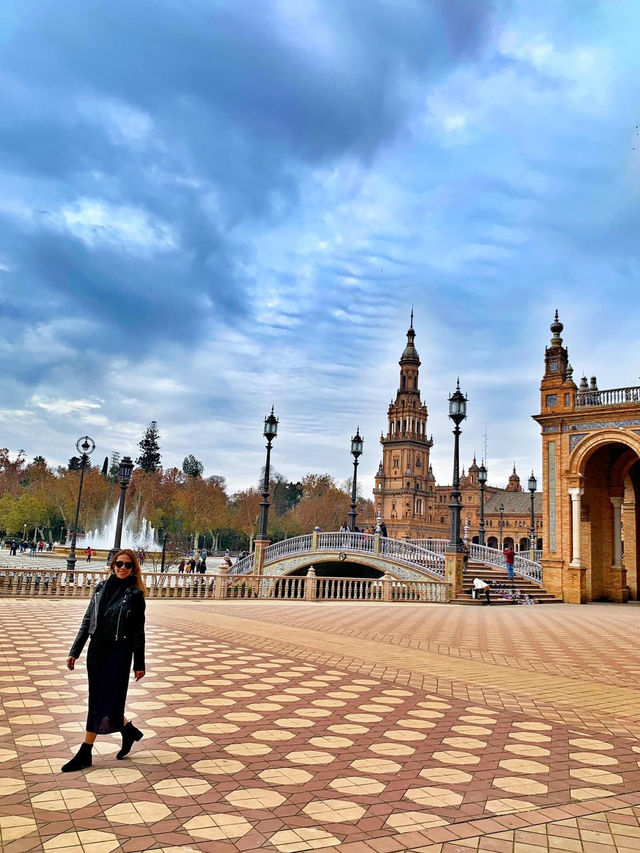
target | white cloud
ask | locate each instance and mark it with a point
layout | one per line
(62, 406)
(96, 221)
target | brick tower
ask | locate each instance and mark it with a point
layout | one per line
(403, 485)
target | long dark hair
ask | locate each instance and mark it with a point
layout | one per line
(136, 572)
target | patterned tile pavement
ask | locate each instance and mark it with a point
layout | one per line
(291, 727)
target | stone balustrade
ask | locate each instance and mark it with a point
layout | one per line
(58, 583)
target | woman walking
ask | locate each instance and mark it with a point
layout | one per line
(114, 622)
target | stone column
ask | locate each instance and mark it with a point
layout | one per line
(575, 588)
(617, 532)
(576, 495)
(617, 580)
(387, 587)
(220, 581)
(310, 584)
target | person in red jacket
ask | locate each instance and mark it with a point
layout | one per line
(509, 557)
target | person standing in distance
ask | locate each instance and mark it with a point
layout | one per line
(114, 625)
(509, 557)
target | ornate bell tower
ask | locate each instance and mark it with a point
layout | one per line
(403, 488)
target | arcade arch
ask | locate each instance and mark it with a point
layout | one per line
(604, 493)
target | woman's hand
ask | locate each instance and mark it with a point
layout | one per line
(71, 662)
(139, 673)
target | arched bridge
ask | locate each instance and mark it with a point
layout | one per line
(402, 560)
(419, 559)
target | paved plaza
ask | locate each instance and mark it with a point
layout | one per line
(290, 727)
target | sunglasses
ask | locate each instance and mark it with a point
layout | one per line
(119, 564)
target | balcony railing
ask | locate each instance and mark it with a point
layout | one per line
(609, 397)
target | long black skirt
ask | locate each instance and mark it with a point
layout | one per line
(109, 668)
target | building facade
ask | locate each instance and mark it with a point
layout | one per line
(591, 483)
(414, 506)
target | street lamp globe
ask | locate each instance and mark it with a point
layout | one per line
(85, 445)
(482, 475)
(125, 470)
(357, 443)
(457, 405)
(533, 483)
(270, 426)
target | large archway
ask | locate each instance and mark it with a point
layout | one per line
(605, 524)
(337, 569)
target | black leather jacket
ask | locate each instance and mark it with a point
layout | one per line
(123, 621)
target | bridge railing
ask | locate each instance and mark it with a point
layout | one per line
(244, 566)
(413, 555)
(287, 546)
(439, 546)
(521, 565)
(346, 541)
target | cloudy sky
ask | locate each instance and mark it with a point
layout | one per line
(210, 206)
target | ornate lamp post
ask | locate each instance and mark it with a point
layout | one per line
(501, 511)
(124, 472)
(270, 432)
(85, 447)
(357, 443)
(482, 479)
(457, 413)
(533, 485)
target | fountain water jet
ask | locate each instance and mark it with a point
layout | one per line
(135, 533)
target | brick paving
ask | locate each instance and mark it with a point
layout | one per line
(291, 727)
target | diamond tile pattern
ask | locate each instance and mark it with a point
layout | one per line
(252, 744)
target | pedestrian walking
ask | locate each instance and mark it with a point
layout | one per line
(509, 557)
(89, 554)
(114, 625)
(181, 566)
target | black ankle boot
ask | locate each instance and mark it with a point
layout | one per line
(80, 760)
(129, 734)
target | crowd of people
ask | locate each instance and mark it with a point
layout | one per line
(21, 546)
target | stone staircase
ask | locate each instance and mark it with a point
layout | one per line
(494, 576)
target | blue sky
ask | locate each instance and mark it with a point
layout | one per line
(211, 206)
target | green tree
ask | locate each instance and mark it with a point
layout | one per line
(75, 463)
(114, 466)
(192, 467)
(150, 459)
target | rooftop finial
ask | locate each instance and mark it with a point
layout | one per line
(411, 323)
(556, 328)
